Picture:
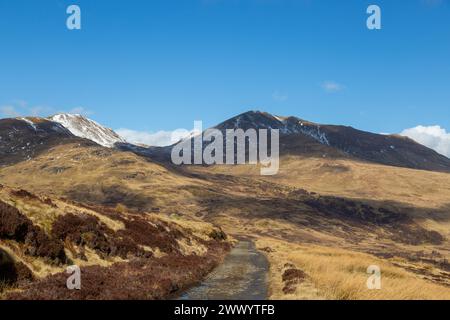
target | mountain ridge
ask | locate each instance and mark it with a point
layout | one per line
(302, 137)
(315, 208)
(297, 137)
(83, 127)
(21, 139)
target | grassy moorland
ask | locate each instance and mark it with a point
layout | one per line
(321, 222)
(123, 254)
(332, 218)
(325, 272)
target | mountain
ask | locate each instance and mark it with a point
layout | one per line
(298, 137)
(302, 137)
(106, 211)
(125, 218)
(83, 127)
(24, 138)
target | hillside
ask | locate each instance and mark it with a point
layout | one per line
(407, 237)
(94, 174)
(299, 137)
(24, 138)
(41, 236)
(314, 211)
(83, 127)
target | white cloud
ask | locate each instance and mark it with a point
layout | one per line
(433, 137)
(157, 139)
(9, 111)
(332, 86)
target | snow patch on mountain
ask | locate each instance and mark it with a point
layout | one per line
(83, 127)
(314, 132)
(286, 125)
(28, 121)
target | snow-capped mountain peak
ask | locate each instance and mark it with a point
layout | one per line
(286, 125)
(83, 127)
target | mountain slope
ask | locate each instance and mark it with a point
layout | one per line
(24, 138)
(297, 137)
(301, 137)
(122, 254)
(324, 198)
(83, 127)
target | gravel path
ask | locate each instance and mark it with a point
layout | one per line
(242, 276)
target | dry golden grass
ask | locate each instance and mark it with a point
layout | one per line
(423, 192)
(341, 274)
(93, 259)
(96, 174)
(367, 181)
(41, 214)
(45, 214)
(193, 225)
(331, 250)
(114, 225)
(39, 266)
(353, 179)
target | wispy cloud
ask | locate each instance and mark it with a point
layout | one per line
(38, 111)
(279, 96)
(433, 137)
(9, 111)
(157, 139)
(80, 110)
(20, 103)
(432, 3)
(332, 86)
(18, 108)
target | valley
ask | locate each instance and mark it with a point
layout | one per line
(320, 222)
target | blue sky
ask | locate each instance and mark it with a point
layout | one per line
(161, 64)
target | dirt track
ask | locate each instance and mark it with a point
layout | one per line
(242, 275)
